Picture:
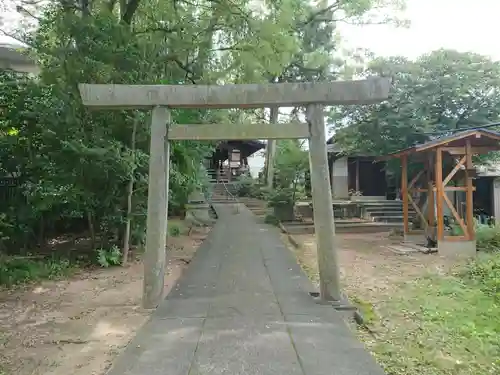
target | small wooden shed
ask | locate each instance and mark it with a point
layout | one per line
(440, 166)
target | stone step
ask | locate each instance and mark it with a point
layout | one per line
(224, 201)
(386, 209)
(370, 227)
(382, 204)
(368, 198)
(388, 219)
(344, 227)
(390, 213)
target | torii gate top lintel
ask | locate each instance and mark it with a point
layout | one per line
(366, 91)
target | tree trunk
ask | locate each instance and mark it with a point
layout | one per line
(130, 192)
(90, 221)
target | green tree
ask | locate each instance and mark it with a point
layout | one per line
(431, 96)
(82, 170)
(291, 164)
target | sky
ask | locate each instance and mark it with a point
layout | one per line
(464, 25)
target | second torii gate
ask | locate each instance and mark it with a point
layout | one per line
(160, 98)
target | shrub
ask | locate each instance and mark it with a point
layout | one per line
(281, 197)
(487, 237)
(109, 257)
(245, 187)
(271, 219)
(14, 270)
(485, 272)
(174, 229)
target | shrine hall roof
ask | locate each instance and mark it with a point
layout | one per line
(485, 138)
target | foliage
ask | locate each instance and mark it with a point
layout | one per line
(442, 325)
(14, 270)
(281, 197)
(72, 167)
(487, 237)
(438, 92)
(271, 219)
(174, 229)
(291, 167)
(109, 257)
(291, 163)
(246, 186)
(485, 273)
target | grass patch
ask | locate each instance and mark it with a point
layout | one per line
(15, 270)
(446, 325)
(365, 308)
(176, 227)
(432, 324)
(271, 219)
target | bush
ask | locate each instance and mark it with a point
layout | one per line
(248, 187)
(109, 257)
(281, 197)
(271, 219)
(487, 237)
(174, 229)
(245, 187)
(485, 272)
(14, 270)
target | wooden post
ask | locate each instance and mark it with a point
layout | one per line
(156, 233)
(322, 206)
(438, 173)
(469, 193)
(404, 193)
(271, 150)
(357, 175)
(167, 172)
(430, 194)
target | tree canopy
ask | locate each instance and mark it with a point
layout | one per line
(78, 170)
(434, 95)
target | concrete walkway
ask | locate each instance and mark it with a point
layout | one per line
(242, 307)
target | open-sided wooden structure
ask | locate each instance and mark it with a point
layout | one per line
(161, 98)
(446, 166)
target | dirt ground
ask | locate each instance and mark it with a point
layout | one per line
(78, 326)
(369, 270)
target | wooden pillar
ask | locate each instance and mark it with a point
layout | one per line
(430, 194)
(438, 173)
(322, 206)
(404, 193)
(357, 175)
(271, 150)
(469, 204)
(156, 232)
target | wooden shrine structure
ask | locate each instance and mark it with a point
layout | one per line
(445, 166)
(162, 98)
(236, 153)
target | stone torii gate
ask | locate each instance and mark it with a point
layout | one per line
(161, 98)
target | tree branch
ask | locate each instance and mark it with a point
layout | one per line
(131, 9)
(13, 36)
(166, 30)
(313, 16)
(111, 5)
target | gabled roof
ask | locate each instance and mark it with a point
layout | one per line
(477, 138)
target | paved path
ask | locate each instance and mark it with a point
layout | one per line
(243, 308)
